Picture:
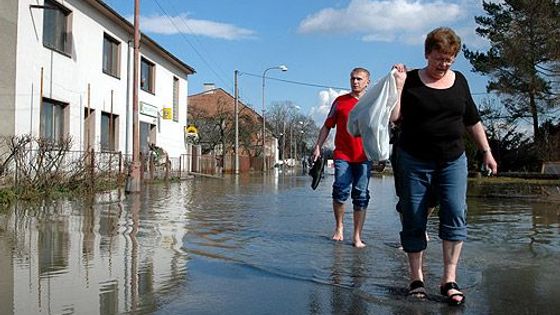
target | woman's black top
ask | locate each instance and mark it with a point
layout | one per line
(433, 120)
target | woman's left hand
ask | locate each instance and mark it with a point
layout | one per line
(489, 163)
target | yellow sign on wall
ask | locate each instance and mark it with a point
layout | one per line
(167, 113)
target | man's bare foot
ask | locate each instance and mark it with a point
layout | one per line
(338, 236)
(359, 244)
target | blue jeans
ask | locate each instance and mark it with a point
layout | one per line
(353, 176)
(449, 183)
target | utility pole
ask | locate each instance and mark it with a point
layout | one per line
(263, 125)
(236, 171)
(133, 180)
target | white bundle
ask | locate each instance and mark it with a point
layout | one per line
(370, 118)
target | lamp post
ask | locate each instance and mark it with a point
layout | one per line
(283, 142)
(300, 124)
(282, 68)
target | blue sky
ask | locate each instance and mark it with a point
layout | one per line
(319, 42)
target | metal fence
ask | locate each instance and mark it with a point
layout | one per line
(30, 166)
(69, 165)
(35, 166)
(551, 168)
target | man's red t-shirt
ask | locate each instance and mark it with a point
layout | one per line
(346, 146)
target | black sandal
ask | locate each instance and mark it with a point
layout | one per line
(452, 286)
(417, 289)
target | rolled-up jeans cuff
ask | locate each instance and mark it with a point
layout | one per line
(450, 233)
(414, 241)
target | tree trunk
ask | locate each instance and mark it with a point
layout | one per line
(535, 116)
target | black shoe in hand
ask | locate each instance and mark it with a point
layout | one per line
(316, 172)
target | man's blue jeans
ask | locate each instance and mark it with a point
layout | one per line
(450, 186)
(351, 179)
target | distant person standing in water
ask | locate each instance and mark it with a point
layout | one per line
(351, 167)
(304, 165)
(435, 108)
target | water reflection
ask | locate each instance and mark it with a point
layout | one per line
(93, 256)
(260, 244)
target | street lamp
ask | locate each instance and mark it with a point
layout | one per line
(292, 146)
(281, 68)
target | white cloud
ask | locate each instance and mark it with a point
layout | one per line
(183, 24)
(387, 20)
(325, 99)
(320, 111)
(472, 40)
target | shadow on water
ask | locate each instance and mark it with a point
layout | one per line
(261, 245)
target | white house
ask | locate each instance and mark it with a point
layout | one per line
(67, 69)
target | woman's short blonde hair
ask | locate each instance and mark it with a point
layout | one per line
(444, 40)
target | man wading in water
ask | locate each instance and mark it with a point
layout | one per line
(351, 167)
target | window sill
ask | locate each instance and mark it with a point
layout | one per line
(147, 91)
(116, 76)
(64, 53)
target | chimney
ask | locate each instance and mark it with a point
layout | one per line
(208, 86)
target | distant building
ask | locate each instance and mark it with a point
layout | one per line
(67, 71)
(213, 110)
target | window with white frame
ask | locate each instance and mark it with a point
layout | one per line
(111, 56)
(175, 99)
(56, 27)
(108, 131)
(147, 75)
(52, 120)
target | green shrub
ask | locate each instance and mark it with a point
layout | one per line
(7, 196)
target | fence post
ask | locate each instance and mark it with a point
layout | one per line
(152, 166)
(91, 169)
(142, 166)
(110, 162)
(167, 163)
(181, 166)
(16, 173)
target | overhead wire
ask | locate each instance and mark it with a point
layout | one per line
(181, 33)
(228, 84)
(208, 64)
(296, 82)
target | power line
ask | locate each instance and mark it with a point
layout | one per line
(185, 22)
(296, 82)
(190, 44)
(328, 86)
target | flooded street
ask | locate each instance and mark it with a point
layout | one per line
(261, 245)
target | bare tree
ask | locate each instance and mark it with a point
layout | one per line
(216, 128)
(293, 129)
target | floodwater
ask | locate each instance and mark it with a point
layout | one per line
(261, 245)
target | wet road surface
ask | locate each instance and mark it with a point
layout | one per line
(261, 245)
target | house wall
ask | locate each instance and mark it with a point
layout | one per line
(79, 79)
(8, 35)
(168, 131)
